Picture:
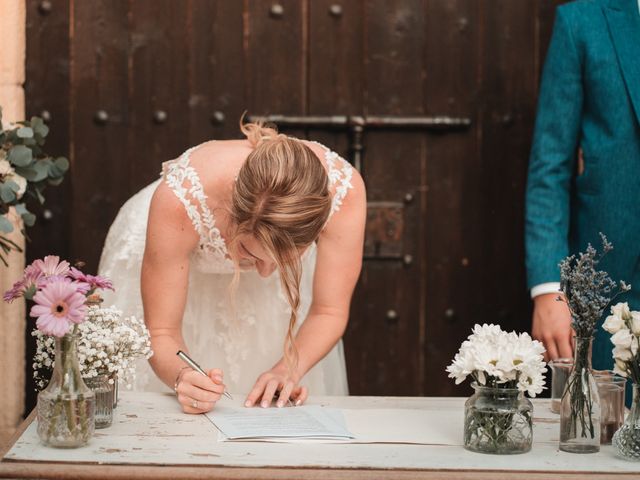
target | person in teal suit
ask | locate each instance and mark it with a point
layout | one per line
(589, 102)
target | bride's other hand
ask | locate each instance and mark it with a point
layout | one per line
(276, 383)
(197, 393)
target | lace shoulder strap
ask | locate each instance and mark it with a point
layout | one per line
(184, 181)
(340, 173)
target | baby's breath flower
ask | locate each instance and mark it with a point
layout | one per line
(108, 345)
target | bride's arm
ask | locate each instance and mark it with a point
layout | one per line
(338, 266)
(164, 282)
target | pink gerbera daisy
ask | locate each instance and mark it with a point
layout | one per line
(51, 265)
(58, 306)
(94, 281)
(81, 287)
(32, 280)
(14, 292)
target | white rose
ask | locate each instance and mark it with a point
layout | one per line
(5, 166)
(619, 371)
(621, 310)
(635, 323)
(622, 338)
(21, 182)
(613, 323)
(622, 354)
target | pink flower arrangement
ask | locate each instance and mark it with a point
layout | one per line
(59, 292)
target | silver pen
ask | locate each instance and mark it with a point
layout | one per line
(187, 359)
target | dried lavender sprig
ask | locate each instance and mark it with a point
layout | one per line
(588, 291)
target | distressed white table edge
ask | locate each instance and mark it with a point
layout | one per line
(151, 438)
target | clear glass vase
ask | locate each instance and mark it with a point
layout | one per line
(66, 406)
(104, 392)
(580, 406)
(626, 441)
(498, 420)
(114, 378)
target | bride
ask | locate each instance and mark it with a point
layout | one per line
(245, 254)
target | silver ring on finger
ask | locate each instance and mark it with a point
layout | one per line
(194, 404)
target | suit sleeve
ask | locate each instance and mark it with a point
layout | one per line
(553, 153)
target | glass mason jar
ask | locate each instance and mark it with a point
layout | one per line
(498, 420)
(114, 378)
(66, 406)
(626, 441)
(580, 406)
(103, 391)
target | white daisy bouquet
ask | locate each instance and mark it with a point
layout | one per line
(498, 418)
(495, 358)
(624, 325)
(108, 345)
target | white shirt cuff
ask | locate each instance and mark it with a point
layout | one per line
(541, 289)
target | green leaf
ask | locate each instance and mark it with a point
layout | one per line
(56, 181)
(39, 127)
(12, 185)
(7, 194)
(20, 156)
(30, 142)
(25, 132)
(29, 219)
(62, 163)
(29, 173)
(5, 225)
(21, 208)
(41, 168)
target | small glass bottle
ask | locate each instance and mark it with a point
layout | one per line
(580, 406)
(66, 406)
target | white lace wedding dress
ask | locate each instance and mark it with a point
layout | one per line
(244, 345)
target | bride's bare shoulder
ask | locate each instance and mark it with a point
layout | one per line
(169, 219)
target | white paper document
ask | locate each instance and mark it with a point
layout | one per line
(300, 423)
(317, 424)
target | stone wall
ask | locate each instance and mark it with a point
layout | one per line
(12, 323)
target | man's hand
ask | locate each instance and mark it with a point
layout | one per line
(551, 325)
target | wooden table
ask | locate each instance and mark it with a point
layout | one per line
(151, 438)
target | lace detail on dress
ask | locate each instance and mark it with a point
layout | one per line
(340, 173)
(183, 179)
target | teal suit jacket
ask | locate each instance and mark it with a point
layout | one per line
(589, 99)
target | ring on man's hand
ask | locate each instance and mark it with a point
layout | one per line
(194, 404)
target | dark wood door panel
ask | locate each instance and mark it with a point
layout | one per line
(383, 329)
(100, 120)
(217, 93)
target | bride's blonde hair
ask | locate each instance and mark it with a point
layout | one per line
(281, 197)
